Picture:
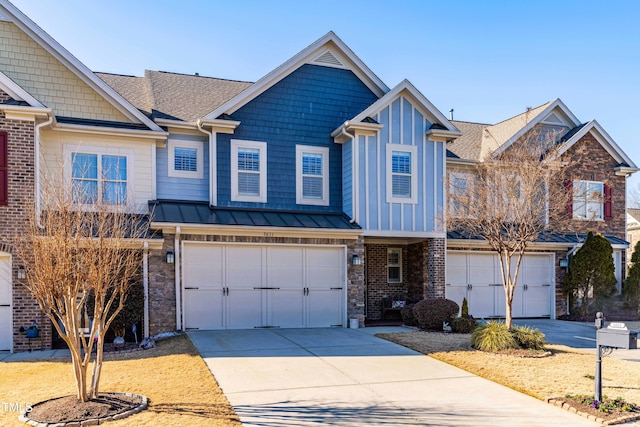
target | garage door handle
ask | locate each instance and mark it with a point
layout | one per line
(336, 289)
(190, 288)
(266, 288)
(5, 305)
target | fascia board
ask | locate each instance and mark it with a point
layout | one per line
(66, 127)
(605, 141)
(74, 65)
(16, 92)
(373, 82)
(248, 230)
(405, 85)
(544, 113)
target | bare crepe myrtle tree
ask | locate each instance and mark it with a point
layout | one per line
(81, 247)
(510, 198)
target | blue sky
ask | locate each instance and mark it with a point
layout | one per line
(488, 60)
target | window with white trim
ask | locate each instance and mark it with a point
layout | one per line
(312, 175)
(459, 184)
(588, 200)
(402, 174)
(394, 265)
(248, 171)
(186, 159)
(99, 177)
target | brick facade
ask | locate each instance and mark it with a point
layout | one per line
(21, 136)
(423, 273)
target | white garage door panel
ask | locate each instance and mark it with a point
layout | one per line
(205, 309)
(262, 286)
(325, 308)
(287, 309)
(245, 308)
(472, 274)
(5, 303)
(244, 266)
(285, 268)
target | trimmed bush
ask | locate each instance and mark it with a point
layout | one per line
(431, 313)
(528, 338)
(493, 336)
(407, 315)
(463, 325)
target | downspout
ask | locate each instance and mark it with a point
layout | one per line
(145, 284)
(176, 248)
(36, 154)
(212, 164)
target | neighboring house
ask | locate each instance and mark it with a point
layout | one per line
(633, 230)
(473, 271)
(53, 110)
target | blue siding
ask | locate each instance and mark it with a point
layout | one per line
(418, 131)
(303, 108)
(372, 177)
(430, 146)
(407, 109)
(395, 122)
(181, 188)
(347, 178)
(439, 177)
(362, 176)
(384, 138)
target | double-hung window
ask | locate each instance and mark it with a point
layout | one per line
(588, 200)
(402, 174)
(394, 265)
(99, 178)
(248, 171)
(186, 159)
(312, 175)
(458, 187)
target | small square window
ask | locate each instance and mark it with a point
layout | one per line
(186, 159)
(402, 174)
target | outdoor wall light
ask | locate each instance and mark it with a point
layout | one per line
(170, 257)
(564, 262)
(356, 260)
(22, 274)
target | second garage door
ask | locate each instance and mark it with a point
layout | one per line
(238, 286)
(476, 276)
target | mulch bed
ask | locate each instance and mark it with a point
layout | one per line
(69, 409)
(613, 416)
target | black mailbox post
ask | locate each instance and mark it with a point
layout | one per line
(615, 335)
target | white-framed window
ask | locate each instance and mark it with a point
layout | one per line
(98, 174)
(186, 159)
(402, 173)
(588, 200)
(312, 175)
(459, 184)
(394, 265)
(248, 171)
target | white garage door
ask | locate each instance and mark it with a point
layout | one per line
(5, 303)
(255, 286)
(476, 276)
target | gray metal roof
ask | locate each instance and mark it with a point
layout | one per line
(569, 239)
(176, 212)
(165, 95)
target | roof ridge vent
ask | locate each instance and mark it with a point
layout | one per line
(328, 58)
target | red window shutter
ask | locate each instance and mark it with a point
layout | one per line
(4, 169)
(607, 203)
(568, 186)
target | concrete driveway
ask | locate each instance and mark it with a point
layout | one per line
(348, 377)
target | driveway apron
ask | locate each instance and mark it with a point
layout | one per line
(349, 377)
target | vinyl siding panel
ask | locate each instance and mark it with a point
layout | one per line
(347, 178)
(173, 188)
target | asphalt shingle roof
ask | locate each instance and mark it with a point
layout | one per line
(161, 94)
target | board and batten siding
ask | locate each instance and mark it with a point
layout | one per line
(140, 173)
(173, 188)
(404, 125)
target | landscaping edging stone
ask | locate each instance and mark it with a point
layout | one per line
(567, 407)
(144, 403)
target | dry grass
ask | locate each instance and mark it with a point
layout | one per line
(566, 371)
(177, 382)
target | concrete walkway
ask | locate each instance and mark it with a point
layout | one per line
(6, 356)
(348, 377)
